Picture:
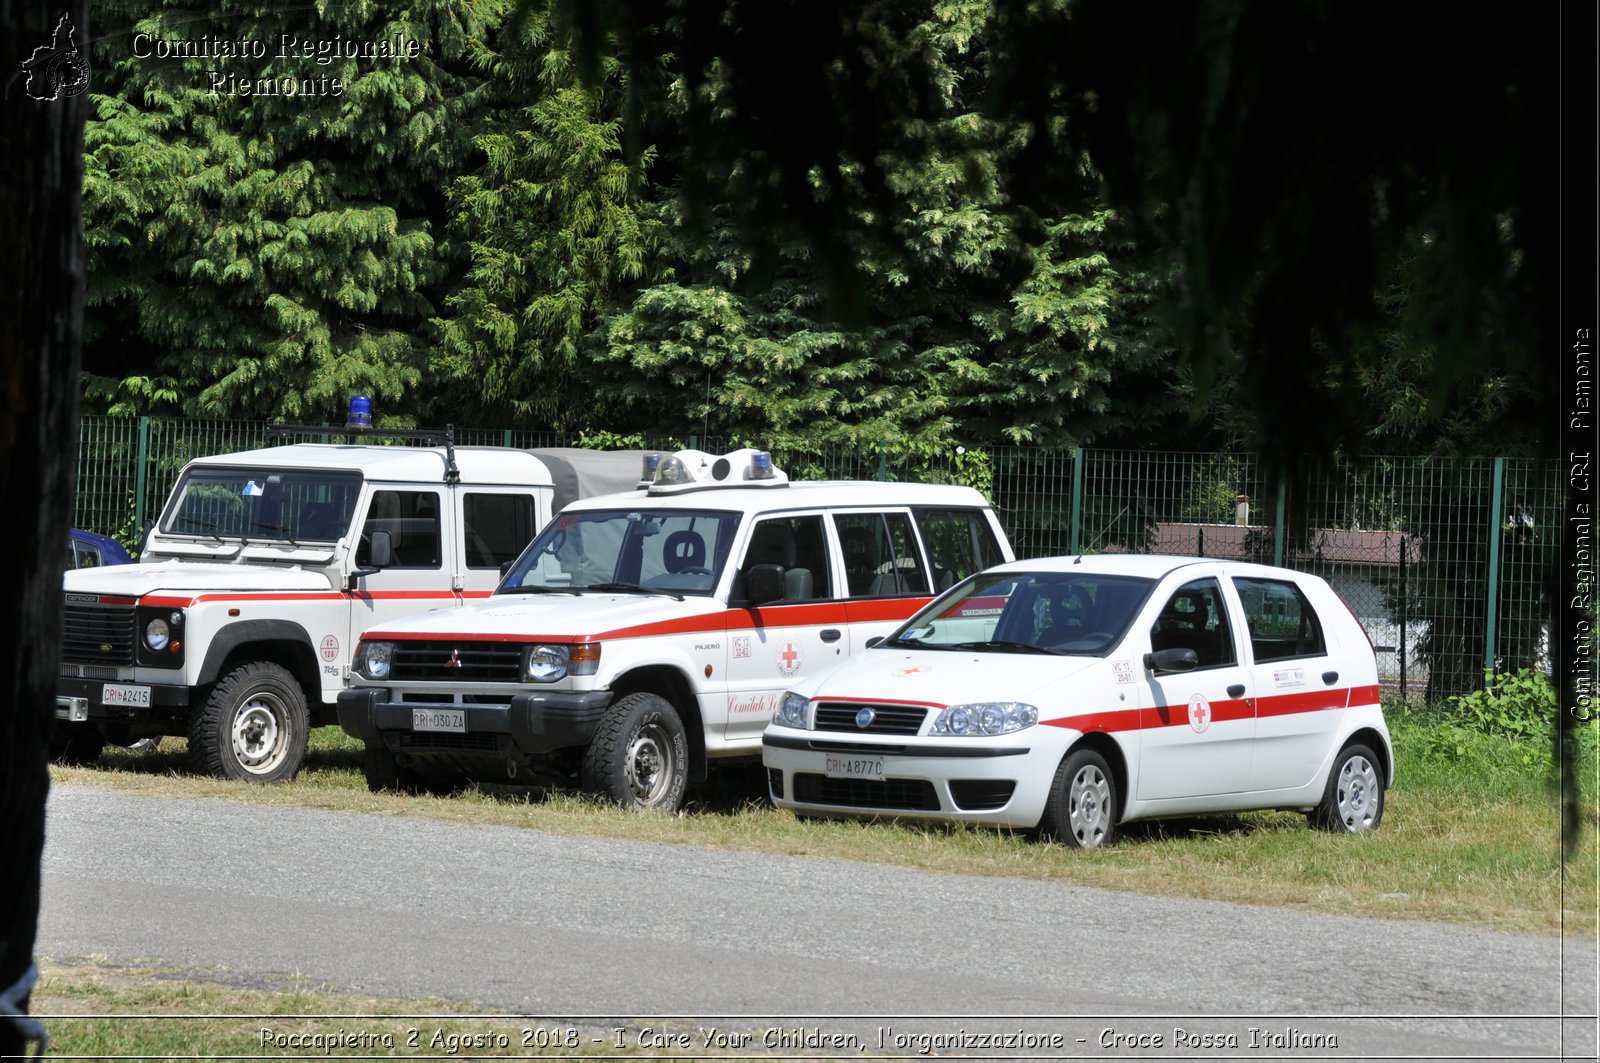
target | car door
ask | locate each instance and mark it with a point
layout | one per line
(772, 645)
(1301, 694)
(1198, 724)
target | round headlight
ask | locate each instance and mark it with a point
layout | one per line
(157, 634)
(546, 664)
(373, 659)
(792, 711)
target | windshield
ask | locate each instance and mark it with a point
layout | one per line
(1079, 614)
(673, 551)
(255, 504)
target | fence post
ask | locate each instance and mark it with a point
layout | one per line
(1492, 605)
(1405, 691)
(1076, 537)
(1278, 521)
(141, 476)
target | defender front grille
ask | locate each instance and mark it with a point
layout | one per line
(98, 634)
(456, 662)
(911, 795)
(886, 719)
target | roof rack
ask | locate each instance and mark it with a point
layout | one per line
(429, 436)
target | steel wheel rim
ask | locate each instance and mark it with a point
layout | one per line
(1089, 806)
(650, 764)
(1359, 794)
(261, 734)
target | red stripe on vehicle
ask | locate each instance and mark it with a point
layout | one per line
(728, 621)
(1303, 701)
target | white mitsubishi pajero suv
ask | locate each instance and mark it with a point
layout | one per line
(643, 635)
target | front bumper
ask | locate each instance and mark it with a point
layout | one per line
(531, 725)
(79, 700)
(1002, 782)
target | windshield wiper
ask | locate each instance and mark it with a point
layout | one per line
(280, 529)
(634, 588)
(910, 642)
(529, 589)
(209, 526)
(1005, 644)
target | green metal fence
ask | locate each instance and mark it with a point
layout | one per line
(1440, 560)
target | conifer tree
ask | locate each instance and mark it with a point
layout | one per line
(262, 201)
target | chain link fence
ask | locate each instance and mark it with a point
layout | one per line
(1442, 560)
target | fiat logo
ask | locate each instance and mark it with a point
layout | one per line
(865, 717)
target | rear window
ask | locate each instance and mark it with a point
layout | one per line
(1281, 621)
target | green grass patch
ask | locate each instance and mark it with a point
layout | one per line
(1471, 833)
(93, 1010)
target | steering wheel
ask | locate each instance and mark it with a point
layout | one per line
(693, 570)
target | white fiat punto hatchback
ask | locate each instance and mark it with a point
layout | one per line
(1074, 694)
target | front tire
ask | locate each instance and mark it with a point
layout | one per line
(640, 755)
(1082, 810)
(1353, 802)
(254, 726)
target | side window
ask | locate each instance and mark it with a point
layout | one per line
(495, 528)
(1194, 618)
(960, 542)
(801, 547)
(1281, 621)
(412, 520)
(880, 555)
(87, 556)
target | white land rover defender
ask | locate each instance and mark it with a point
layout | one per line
(643, 635)
(235, 627)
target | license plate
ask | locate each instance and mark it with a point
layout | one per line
(122, 694)
(840, 766)
(453, 720)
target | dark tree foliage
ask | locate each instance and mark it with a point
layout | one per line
(1294, 158)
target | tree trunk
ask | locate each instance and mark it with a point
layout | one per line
(41, 331)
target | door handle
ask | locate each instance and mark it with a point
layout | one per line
(830, 634)
(1236, 690)
(1330, 678)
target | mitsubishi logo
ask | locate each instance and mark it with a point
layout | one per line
(454, 661)
(865, 717)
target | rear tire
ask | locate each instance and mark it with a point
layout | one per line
(640, 755)
(1081, 812)
(1354, 799)
(254, 726)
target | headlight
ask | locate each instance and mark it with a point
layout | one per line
(551, 662)
(794, 711)
(157, 634)
(373, 658)
(984, 718)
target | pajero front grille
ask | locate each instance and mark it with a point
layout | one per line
(884, 719)
(98, 634)
(456, 662)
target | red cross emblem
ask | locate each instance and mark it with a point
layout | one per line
(789, 659)
(1199, 714)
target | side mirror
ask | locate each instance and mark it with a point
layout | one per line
(764, 583)
(873, 641)
(1176, 659)
(380, 550)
